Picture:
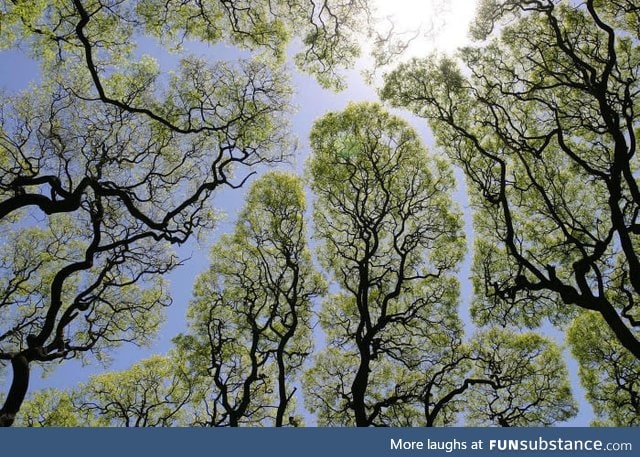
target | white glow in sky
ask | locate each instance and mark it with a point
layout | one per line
(443, 24)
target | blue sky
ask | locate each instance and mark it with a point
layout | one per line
(312, 101)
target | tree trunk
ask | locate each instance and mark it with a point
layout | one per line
(17, 392)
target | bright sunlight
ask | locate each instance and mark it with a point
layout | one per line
(442, 24)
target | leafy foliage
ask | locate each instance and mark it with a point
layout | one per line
(104, 32)
(251, 321)
(151, 393)
(529, 382)
(251, 314)
(543, 121)
(391, 237)
(109, 161)
(49, 408)
(608, 372)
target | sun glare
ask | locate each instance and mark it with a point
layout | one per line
(441, 25)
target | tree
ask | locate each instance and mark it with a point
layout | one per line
(609, 373)
(251, 314)
(543, 121)
(125, 158)
(49, 408)
(391, 237)
(499, 377)
(520, 379)
(151, 393)
(101, 34)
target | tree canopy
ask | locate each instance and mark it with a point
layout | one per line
(114, 157)
(609, 373)
(108, 160)
(542, 117)
(395, 355)
(251, 314)
(543, 121)
(391, 237)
